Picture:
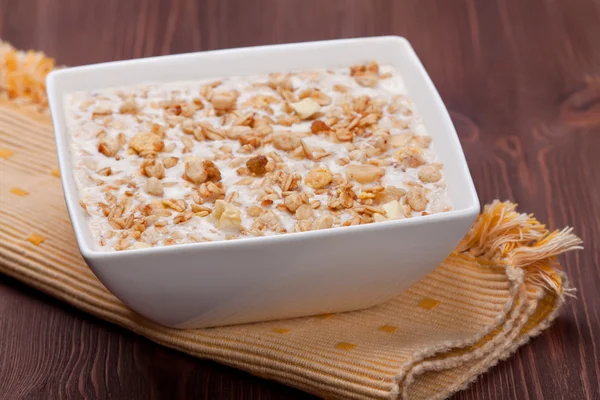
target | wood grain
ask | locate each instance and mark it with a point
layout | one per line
(522, 81)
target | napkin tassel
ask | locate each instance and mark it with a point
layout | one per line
(503, 236)
(528, 251)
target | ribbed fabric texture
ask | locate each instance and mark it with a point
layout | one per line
(499, 288)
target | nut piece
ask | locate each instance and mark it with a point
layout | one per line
(210, 132)
(108, 147)
(224, 101)
(228, 216)
(257, 165)
(380, 143)
(305, 108)
(293, 202)
(212, 172)
(321, 98)
(410, 156)
(318, 126)
(344, 135)
(367, 80)
(365, 75)
(379, 217)
(140, 245)
(305, 211)
(318, 177)
(253, 141)
(422, 141)
(393, 209)
(268, 220)
(388, 194)
(401, 140)
(153, 168)
(365, 173)
(146, 144)
(430, 174)
(128, 107)
(195, 171)
(211, 191)
(323, 222)
(417, 198)
(254, 211)
(285, 140)
(280, 80)
(154, 187)
(237, 132)
(170, 162)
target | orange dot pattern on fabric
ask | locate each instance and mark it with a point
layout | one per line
(35, 239)
(282, 331)
(388, 328)
(18, 191)
(6, 153)
(56, 172)
(345, 346)
(428, 304)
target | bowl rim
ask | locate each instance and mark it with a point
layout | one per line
(71, 193)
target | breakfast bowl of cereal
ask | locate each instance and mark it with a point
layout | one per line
(262, 183)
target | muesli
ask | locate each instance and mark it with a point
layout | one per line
(185, 162)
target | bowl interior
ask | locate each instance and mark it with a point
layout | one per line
(394, 51)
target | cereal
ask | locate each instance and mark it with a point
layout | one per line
(108, 147)
(388, 194)
(323, 222)
(223, 101)
(188, 162)
(128, 107)
(268, 221)
(401, 140)
(416, 198)
(212, 172)
(367, 80)
(410, 156)
(319, 177)
(153, 168)
(154, 187)
(430, 174)
(422, 141)
(305, 211)
(285, 140)
(293, 202)
(170, 162)
(364, 173)
(146, 144)
(195, 171)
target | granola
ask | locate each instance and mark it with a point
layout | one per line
(186, 162)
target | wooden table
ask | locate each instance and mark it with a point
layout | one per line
(522, 81)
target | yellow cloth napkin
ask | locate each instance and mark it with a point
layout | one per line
(500, 287)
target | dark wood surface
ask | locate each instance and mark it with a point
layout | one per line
(522, 80)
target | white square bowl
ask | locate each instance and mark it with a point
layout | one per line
(283, 276)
